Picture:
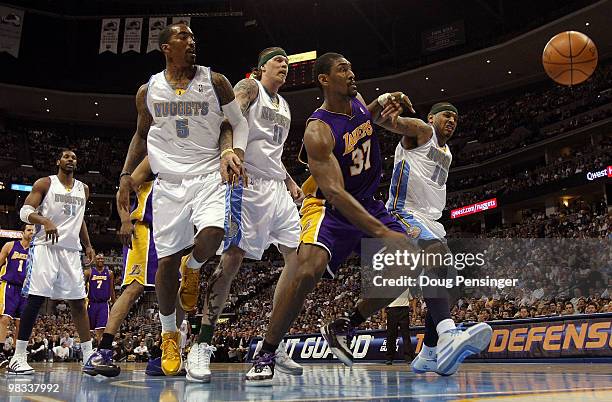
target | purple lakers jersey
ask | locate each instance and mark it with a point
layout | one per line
(14, 270)
(100, 285)
(356, 148)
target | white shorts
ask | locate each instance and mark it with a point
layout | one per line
(420, 228)
(179, 204)
(261, 214)
(54, 272)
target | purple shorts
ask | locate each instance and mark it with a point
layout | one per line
(326, 227)
(98, 314)
(12, 303)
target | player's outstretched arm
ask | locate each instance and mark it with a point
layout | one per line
(28, 213)
(385, 111)
(325, 169)
(137, 150)
(84, 234)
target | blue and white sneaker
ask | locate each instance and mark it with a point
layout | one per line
(457, 344)
(101, 362)
(424, 363)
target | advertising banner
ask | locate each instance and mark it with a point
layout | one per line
(578, 336)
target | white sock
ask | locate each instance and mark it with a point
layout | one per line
(429, 352)
(193, 263)
(86, 348)
(20, 347)
(445, 325)
(168, 322)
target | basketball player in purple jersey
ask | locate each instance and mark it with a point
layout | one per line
(343, 155)
(100, 290)
(13, 259)
(139, 267)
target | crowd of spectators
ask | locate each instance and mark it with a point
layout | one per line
(562, 168)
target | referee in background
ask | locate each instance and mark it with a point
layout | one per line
(398, 314)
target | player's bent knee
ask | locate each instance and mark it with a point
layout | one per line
(209, 239)
(232, 258)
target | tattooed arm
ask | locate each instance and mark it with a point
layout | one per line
(246, 91)
(137, 150)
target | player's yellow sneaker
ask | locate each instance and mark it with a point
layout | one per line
(190, 286)
(171, 359)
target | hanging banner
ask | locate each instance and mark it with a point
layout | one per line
(156, 25)
(109, 35)
(131, 35)
(11, 21)
(181, 20)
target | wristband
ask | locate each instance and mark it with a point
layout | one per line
(384, 98)
(227, 151)
(124, 174)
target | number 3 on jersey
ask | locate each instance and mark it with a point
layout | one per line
(361, 158)
(182, 128)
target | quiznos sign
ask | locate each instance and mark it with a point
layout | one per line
(607, 172)
(567, 337)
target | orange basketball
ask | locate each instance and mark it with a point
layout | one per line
(569, 58)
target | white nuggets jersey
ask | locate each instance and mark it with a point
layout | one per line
(184, 135)
(268, 130)
(66, 210)
(418, 184)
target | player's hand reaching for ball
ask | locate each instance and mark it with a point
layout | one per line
(51, 231)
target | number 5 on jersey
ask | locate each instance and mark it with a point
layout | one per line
(182, 128)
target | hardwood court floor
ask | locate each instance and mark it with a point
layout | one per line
(324, 382)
